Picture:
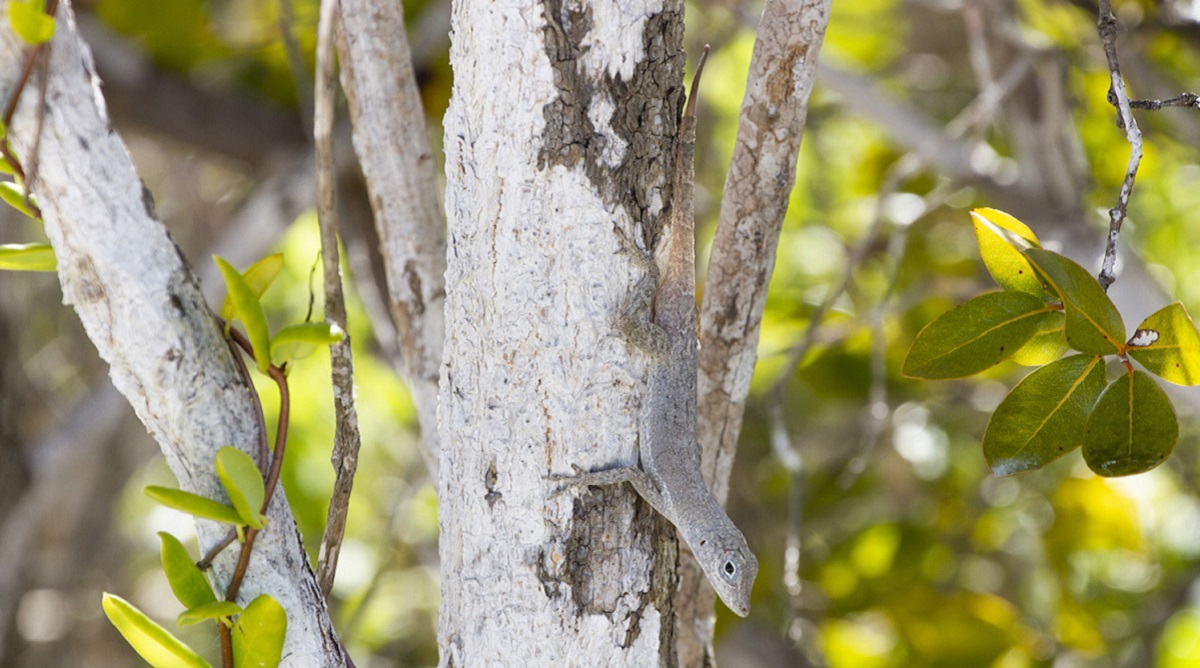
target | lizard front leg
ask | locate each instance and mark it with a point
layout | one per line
(642, 483)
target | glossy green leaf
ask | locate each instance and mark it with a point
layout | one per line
(1004, 261)
(152, 642)
(258, 278)
(258, 634)
(1132, 428)
(14, 196)
(193, 504)
(1047, 344)
(28, 257)
(295, 342)
(185, 578)
(1093, 324)
(29, 20)
(975, 335)
(202, 613)
(243, 483)
(247, 308)
(1168, 345)
(1043, 417)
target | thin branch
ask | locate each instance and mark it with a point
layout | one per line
(295, 57)
(1181, 100)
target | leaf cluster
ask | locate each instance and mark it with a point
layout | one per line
(1050, 305)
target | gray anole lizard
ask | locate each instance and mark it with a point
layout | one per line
(660, 319)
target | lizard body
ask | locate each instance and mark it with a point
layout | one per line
(670, 477)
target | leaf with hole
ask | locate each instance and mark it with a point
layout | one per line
(185, 578)
(193, 504)
(295, 342)
(258, 278)
(14, 196)
(1093, 324)
(258, 634)
(152, 642)
(1004, 260)
(28, 257)
(1043, 417)
(1132, 428)
(975, 335)
(1047, 344)
(1168, 345)
(243, 482)
(30, 21)
(249, 310)
(202, 613)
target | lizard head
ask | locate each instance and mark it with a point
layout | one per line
(730, 567)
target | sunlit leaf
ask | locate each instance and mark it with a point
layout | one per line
(29, 20)
(193, 504)
(152, 642)
(247, 308)
(185, 578)
(1132, 428)
(974, 336)
(201, 613)
(258, 634)
(1093, 323)
(1047, 344)
(1004, 261)
(258, 278)
(14, 196)
(295, 342)
(28, 257)
(1043, 417)
(1168, 345)
(243, 483)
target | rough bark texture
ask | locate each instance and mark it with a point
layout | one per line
(558, 140)
(393, 147)
(142, 308)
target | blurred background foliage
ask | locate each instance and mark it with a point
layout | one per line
(883, 539)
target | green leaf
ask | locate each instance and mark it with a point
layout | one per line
(1132, 429)
(295, 342)
(152, 642)
(243, 483)
(30, 21)
(1043, 417)
(193, 504)
(258, 277)
(1003, 260)
(14, 196)
(247, 308)
(1047, 344)
(975, 335)
(184, 576)
(28, 257)
(1093, 323)
(258, 634)
(1168, 345)
(214, 610)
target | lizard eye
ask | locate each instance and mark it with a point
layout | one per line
(730, 569)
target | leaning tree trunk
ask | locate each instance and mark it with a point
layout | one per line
(557, 137)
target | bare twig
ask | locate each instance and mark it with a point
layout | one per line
(346, 437)
(1181, 100)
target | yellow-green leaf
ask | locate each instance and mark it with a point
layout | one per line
(243, 483)
(28, 257)
(1047, 344)
(1043, 417)
(1093, 324)
(152, 642)
(214, 610)
(29, 20)
(295, 342)
(193, 504)
(258, 634)
(185, 578)
(1168, 345)
(14, 196)
(1132, 428)
(1003, 260)
(975, 335)
(258, 277)
(247, 308)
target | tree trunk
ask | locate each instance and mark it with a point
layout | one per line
(557, 138)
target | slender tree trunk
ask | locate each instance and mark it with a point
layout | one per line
(557, 139)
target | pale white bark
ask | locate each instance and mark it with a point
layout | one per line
(142, 308)
(556, 141)
(392, 144)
